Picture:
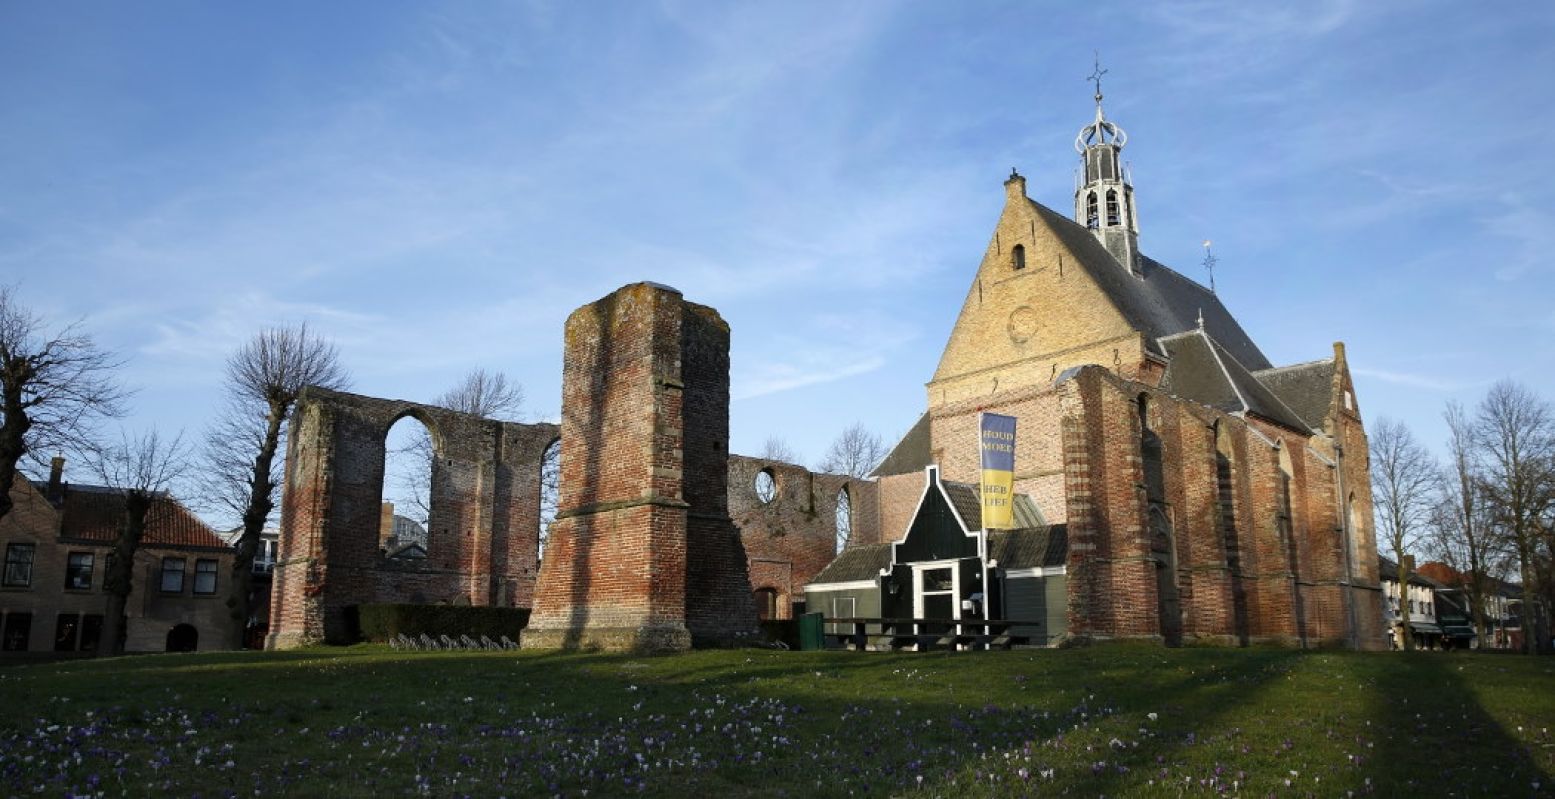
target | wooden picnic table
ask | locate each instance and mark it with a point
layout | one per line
(925, 634)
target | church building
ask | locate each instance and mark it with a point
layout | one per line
(1202, 492)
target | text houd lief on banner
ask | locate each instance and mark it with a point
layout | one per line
(996, 434)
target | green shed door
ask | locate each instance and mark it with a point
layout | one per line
(1026, 600)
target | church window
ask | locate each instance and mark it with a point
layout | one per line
(1282, 517)
(1018, 256)
(1092, 219)
(1112, 208)
(765, 485)
(844, 518)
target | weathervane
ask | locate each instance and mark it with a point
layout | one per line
(1096, 75)
(1209, 265)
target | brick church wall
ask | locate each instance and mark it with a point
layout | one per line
(1238, 577)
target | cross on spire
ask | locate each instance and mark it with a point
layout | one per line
(1209, 265)
(1096, 75)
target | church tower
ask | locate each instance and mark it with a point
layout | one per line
(1104, 196)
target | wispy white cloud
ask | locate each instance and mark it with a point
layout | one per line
(1415, 380)
(1530, 230)
(772, 378)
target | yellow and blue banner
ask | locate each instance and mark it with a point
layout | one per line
(996, 437)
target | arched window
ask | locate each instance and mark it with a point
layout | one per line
(550, 490)
(1226, 492)
(409, 466)
(765, 486)
(1092, 219)
(844, 519)
(1357, 533)
(1112, 208)
(1150, 454)
(1018, 256)
(1283, 514)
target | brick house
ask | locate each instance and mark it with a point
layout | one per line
(1207, 493)
(56, 542)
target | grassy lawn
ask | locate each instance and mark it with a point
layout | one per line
(1115, 720)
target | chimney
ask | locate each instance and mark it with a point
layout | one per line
(56, 479)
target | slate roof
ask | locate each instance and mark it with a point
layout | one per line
(861, 562)
(910, 454)
(1203, 371)
(1306, 388)
(1025, 548)
(968, 500)
(91, 513)
(1161, 302)
(1030, 547)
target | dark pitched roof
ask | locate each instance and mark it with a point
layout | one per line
(91, 513)
(1387, 569)
(1160, 302)
(859, 562)
(910, 454)
(968, 501)
(1306, 388)
(1030, 547)
(1203, 371)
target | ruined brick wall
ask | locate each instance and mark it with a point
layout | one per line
(789, 539)
(482, 533)
(643, 555)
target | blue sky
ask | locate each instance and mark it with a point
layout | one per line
(437, 186)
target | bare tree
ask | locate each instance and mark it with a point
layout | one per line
(855, 452)
(1404, 484)
(1463, 535)
(1514, 441)
(53, 388)
(264, 378)
(486, 394)
(778, 450)
(142, 468)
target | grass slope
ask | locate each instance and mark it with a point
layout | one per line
(1108, 720)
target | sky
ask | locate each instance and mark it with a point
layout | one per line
(437, 186)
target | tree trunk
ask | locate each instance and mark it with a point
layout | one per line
(118, 580)
(1530, 602)
(13, 445)
(261, 501)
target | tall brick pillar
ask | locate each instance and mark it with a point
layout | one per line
(643, 555)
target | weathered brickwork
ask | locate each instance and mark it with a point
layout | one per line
(1246, 566)
(482, 533)
(1022, 327)
(643, 555)
(791, 537)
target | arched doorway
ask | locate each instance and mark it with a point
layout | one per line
(183, 638)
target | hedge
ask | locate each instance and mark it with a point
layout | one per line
(380, 622)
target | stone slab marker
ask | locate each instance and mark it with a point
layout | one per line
(643, 555)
